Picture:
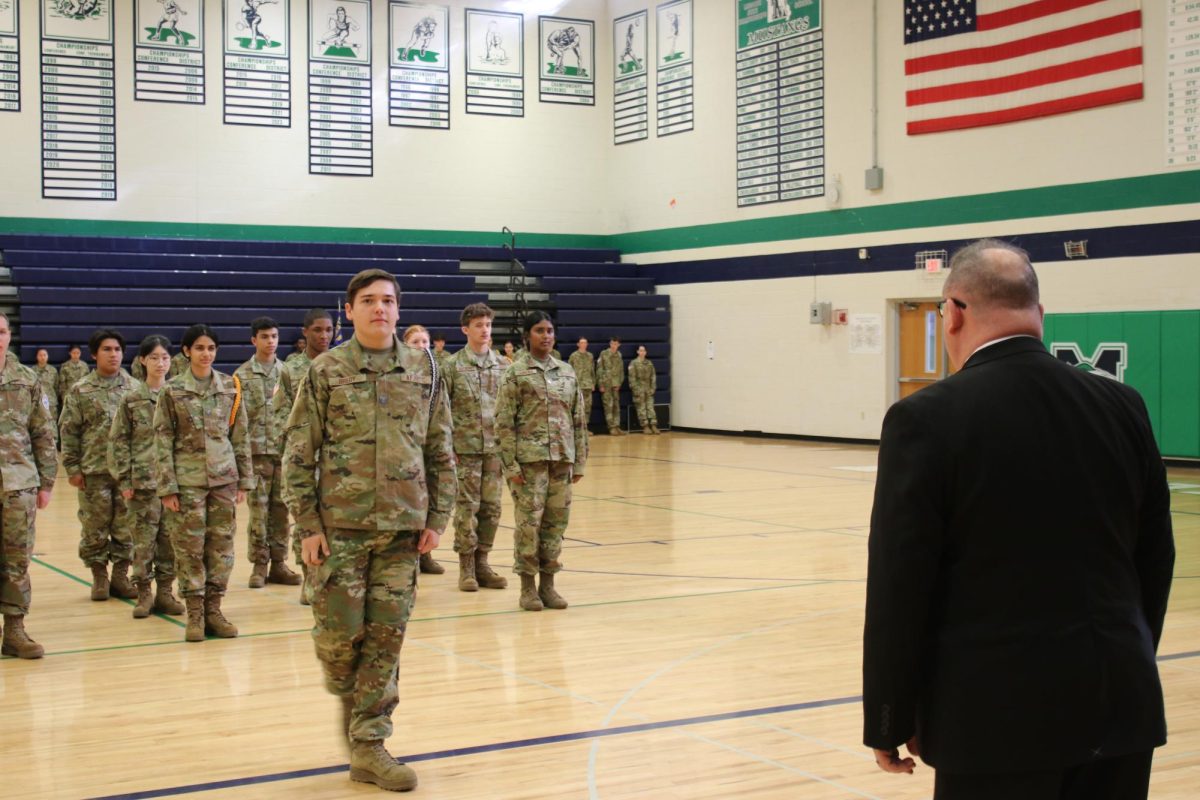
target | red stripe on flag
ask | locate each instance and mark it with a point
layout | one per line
(1021, 47)
(1039, 8)
(1027, 80)
(1061, 106)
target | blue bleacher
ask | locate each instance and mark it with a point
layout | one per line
(145, 279)
(230, 263)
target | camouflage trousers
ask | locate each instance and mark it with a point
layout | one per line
(202, 536)
(543, 506)
(16, 547)
(477, 506)
(644, 403)
(612, 406)
(153, 555)
(587, 392)
(105, 536)
(268, 529)
(361, 598)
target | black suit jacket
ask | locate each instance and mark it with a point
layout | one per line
(1020, 559)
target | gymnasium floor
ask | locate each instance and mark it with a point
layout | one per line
(712, 650)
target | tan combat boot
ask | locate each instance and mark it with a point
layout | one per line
(258, 576)
(99, 581)
(466, 573)
(214, 621)
(529, 594)
(304, 585)
(164, 601)
(370, 762)
(195, 619)
(646, 430)
(145, 600)
(119, 585)
(16, 641)
(280, 574)
(549, 597)
(429, 566)
(485, 576)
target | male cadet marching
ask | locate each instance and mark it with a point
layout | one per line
(585, 372)
(642, 382)
(85, 427)
(28, 466)
(72, 370)
(610, 372)
(268, 530)
(369, 479)
(47, 377)
(472, 377)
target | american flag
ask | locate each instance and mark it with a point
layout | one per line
(970, 63)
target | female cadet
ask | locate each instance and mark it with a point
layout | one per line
(203, 471)
(131, 462)
(543, 447)
(418, 336)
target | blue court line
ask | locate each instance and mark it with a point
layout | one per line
(488, 748)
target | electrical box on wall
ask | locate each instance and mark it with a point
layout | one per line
(820, 313)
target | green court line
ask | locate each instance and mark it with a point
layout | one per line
(78, 579)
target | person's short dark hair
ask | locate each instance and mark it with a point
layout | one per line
(973, 271)
(40, 349)
(100, 335)
(365, 279)
(475, 311)
(315, 314)
(615, 338)
(438, 337)
(71, 347)
(196, 331)
(152, 341)
(262, 324)
(533, 318)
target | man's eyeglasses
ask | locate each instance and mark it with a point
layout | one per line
(941, 306)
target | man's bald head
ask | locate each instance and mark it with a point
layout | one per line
(991, 274)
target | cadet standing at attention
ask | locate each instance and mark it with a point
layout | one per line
(203, 470)
(267, 540)
(417, 336)
(543, 447)
(47, 377)
(131, 464)
(642, 382)
(28, 466)
(472, 378)
(610, 371)
(439, 351)
(179, 365)
(85, 426)
(585, 372)
(369, 478)
(71, 371)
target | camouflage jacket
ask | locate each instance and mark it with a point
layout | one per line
(27, 456)
(610, 369)
(179, 365)
(285, 395)
(443, 358)
(368, 449)
(642, 378)
(259, 385)
(68, 374)
(137, 370)
(194, 443)
(473, 391)
(86, 421)
(539, 416)
(47, 377)
(585, 369)
(131, 440)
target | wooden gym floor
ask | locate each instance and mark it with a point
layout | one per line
(712, 650)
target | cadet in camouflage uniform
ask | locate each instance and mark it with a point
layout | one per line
(131, 464)
(203, 470)
(179, 365)
(369, 478)
(610, 374)
(28, 466)
(418, 336)
(71, 371)
(267, 538)
(642, 382)
(439, 351)
(543, 448)
(87, 415)
(318, 335)
(47, 377)
(298, 349)
(472, 377)
(585, 372)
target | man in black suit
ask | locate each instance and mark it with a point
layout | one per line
(1019, 563)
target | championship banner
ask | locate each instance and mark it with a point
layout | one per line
(567, 67)
(340, 130)
(780, 101)
(418, 65)
(168, 51)
(79, 138)
(631, 91)
(676, 68)
(495, 63)
(10, 56)
(257, 52)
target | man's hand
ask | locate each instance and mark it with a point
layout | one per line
(576, 478)
(890, 760)
(428, 541)
(43, 498)
(76, 480)
(314, 549)
(601, 390)
(127, 494)
(518, 479)
(171, 503)
(241, 497)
